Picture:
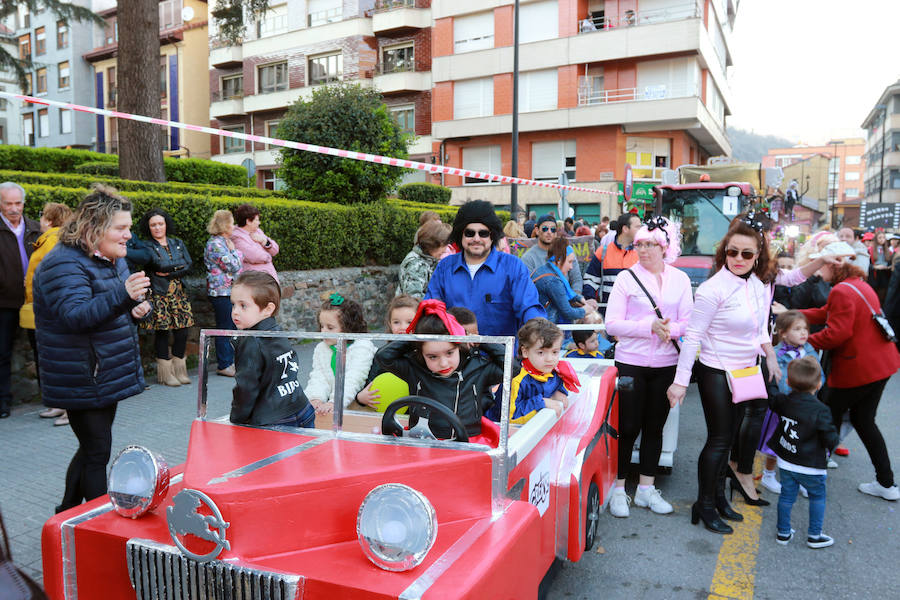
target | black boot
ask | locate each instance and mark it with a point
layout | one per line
(710, 519)
(722, 505)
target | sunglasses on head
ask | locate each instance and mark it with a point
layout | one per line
(482, 233)
(548, 228)
(745, 254)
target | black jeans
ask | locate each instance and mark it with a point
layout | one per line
(862, 402)
(179, 343)
(643, 411)
(86, 476)
(9, 324)
(746, 442)
(722, 421)
(32, 339)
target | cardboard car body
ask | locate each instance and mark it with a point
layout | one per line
(278, 507)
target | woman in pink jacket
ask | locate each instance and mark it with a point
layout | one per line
(730, 326)
(647, 351)
(257, 248)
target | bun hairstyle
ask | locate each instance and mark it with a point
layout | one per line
(665, 233)
(747, 225)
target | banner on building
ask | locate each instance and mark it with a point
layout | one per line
(885, 215)
(584, 247)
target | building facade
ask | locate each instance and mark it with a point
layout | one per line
(59, 73)
(183, 69)
(10, 120)
(882, 124)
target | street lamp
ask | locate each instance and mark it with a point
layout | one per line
(837, 163)
(883, 108)
(514, 189)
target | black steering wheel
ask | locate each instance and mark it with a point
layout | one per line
(425, 408)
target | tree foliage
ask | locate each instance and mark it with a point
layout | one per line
(230, 17)
(342, 116)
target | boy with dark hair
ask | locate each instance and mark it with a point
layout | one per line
(588, 344)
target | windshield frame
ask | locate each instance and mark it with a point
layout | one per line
(709, 196)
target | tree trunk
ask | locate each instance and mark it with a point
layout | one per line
(140, 144)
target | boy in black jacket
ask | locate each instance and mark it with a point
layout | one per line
(805, 433)
(266, 390)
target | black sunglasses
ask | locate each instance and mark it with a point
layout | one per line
(746, 254)
(482, 233)
(550, 229)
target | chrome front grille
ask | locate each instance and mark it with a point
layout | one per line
(161, 572)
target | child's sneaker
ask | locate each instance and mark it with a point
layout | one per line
(769, 482)
(803, 492)
(819, 541)
(784, 538)
(876, 489)
(832, 464)
(651, 498)
(618, 503)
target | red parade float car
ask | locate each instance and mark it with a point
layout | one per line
(342, 512)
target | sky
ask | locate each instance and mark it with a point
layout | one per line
(811, 70)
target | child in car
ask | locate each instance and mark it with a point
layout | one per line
(544, 381)
(444, 371)
(266, 390)
(588, 344)
(400, 313)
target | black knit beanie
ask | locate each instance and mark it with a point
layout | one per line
(476, 211)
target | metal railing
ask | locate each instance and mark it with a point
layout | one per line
(220, 96)
(406, 66)
(631, 18)
(323, 17)
(271, 25)
(588, 95)
(386, 5)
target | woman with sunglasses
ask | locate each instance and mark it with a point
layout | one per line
(562, 303)
(729, 325)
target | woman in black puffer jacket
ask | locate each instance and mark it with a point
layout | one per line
(84, 305)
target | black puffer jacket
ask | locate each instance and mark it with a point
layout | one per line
(175, 266)
(87, 340)
(463, 391)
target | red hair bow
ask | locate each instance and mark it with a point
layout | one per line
(438, 308)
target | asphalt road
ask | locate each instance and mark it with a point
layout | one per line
(643, 556)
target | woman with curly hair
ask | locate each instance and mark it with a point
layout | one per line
(171, 308)
(257, 248)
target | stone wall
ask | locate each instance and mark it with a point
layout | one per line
(304, 293)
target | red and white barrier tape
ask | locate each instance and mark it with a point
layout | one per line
(373, 158)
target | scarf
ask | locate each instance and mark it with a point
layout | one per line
(790, 352)
(570, 293)
(563, 369)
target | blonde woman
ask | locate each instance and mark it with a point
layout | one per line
(223, 263)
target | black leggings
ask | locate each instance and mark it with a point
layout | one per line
(746, 442)
(643, 411)
(862, 402)
(722, 421)
(86, 476)
(179, 343)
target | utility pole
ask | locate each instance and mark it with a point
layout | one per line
(883, 136)
(514, 189)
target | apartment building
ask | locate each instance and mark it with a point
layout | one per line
(183, 71)
(59, 73)
(882, 124)
(601, 84)
(10, 121)
(302, 44)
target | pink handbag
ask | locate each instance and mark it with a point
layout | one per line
(746, 384)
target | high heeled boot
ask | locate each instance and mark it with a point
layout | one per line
(165, 373)
(710, 518)
(180, 369)
(722, 505)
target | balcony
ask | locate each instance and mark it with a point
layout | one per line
(632, 18)
(588, 92)
(323, 17)
(225, 106)
(399, 16)
(401, 78)
(226, 57)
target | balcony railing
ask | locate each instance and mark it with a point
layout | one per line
(271, 25)
(588, 95)
(395, 67)
(386, 5)
(219, 96)
(631, 18)
(323, 17)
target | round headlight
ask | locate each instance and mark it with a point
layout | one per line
(138, 481)
(396, 526)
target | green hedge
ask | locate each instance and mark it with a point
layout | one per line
(429, 193)
(107, 169)
(73, 180)
(58, 160)
(311, 235)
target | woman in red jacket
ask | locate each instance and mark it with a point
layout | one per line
(862, 362)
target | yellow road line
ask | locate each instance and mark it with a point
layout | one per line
(733, 578)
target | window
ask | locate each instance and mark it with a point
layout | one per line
(40, 41)
(29, 84)
(271, 130)
(111, 89)
(113, 130)
(25, 47)
(648, 156)
(481, 158)
(851, 176)
(28, 129)
(325, 69)
(473, 32)
(537, 90)
(473, 98)
(62, 35)
(852, 192)
(538, 21)
(322, 12)
(853, 160)
(271, 180)
(549, 159)
(234, 145)
(668, 78)
(43, 123)
(162, 77)
(232, 87)
(398, 58)
(405, 116)
(41, 81)
(272, 78)
(65, 120)
(2, 135)
(64, 80)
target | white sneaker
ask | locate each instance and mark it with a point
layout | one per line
(769, 482)
(832, 464)
(876, 489)
(820, 541)
(652, 498)
(803, 492)
(618, 503)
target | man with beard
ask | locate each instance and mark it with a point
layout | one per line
(536, 256)
(494, 285)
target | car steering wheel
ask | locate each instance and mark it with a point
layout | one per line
(426, 407)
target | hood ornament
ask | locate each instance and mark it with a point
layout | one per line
(185, 520)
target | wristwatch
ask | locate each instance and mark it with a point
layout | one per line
(268, 243)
